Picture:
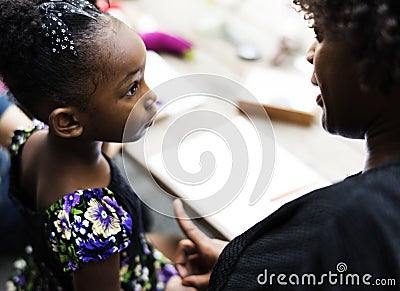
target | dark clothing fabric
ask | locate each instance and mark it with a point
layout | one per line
(334, 233)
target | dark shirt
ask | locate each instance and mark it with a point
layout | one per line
(345, 236)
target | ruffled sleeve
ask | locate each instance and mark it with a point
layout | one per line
(87, 226)
(20, 136)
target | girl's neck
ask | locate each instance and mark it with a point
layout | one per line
(69, 165)
(383, 142)
(74, 150)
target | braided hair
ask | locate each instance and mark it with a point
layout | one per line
(40, 79)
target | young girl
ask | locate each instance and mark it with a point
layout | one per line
(80, 71)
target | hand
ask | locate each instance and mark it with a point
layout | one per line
(175, 284)
(196, 255)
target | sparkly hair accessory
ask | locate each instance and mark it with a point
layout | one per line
(55, 29)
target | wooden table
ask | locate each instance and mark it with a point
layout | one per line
(261, 23)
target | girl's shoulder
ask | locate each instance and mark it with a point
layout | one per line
(24, 163)
(31, 138)
(21, 136)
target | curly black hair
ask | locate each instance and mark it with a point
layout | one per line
(42, 80)
(372, 28)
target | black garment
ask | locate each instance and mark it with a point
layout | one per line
(349, 228)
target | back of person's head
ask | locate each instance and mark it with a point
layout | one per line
(372, 28)
(52, 53)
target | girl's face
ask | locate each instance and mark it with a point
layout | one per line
(347, 110)
(123, 93)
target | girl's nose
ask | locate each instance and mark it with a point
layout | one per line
(150, 101)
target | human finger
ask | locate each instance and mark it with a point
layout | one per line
(175, 284)
(201, 282)
(185, 250)
(187, 226)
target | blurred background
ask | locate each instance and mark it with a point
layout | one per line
(258, 43)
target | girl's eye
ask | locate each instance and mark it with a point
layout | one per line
(132, 91)
(318, 34)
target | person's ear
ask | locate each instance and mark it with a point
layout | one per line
(65, 122)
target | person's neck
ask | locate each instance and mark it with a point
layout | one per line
(73, 150)
(68, 165)
(383, 142)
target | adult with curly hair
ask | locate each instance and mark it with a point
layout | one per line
(80, 73)
(346, 235)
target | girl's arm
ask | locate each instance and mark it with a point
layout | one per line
(12, 119)
(101, 276)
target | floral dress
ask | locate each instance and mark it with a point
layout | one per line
(84, 226)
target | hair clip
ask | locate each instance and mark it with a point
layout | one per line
(55, 29)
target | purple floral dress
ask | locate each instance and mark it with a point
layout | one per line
(84, 226)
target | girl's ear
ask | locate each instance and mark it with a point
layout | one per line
(65, 122)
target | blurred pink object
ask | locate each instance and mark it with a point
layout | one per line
(161, 42)
(103, 5)
(2, 88)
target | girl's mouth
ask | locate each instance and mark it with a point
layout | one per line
(319, 101)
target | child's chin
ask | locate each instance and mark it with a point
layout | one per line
(132, 138)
